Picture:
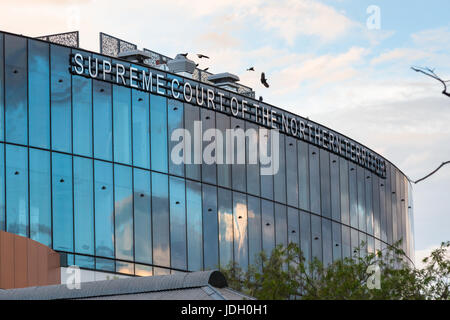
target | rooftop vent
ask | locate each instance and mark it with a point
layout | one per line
(182, 66)
(137, 56)
(225, 80)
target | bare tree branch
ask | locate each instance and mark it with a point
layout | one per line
(430, 174)
(430, 72)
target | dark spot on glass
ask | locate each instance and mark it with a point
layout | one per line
(62, 180)
(103, 188)
(16, 173)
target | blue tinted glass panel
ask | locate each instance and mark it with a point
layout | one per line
(268, 226)
(123, 212)
(335, 190)
(325, 183)
(369, 202)
(254, 228)
(17, 190)
(353, 196)
(281, 235)
(2, 96)
(291, 172)
(224, 170)
(178, 223)
(160, 215)
(105, 265)
(293, 226)
(191, 115)
(376, 206)
(344, 189)
(314, 179)
(240, 229)
(40, 197)
(83, 198)
(316, 235)
(142, 216)
(61, 96)
(39, 93)
(355, 242)
(85, 262)
(158, 116)
(210, 227)
(175, 121)
(210, 146)
(327, 242)
(266, 180)
(238, 168)
(82, 115)
(346, 243)
(141, 129)
(122, 124)
(337, 241)
(252, 156)
(2, 183)
(102, 110)
(194, 225)
(104, 209)
(303, 175)
(279, 179)
(225, 226)
(362, 223)
(16, 89)
(305, 234)
(62, 202)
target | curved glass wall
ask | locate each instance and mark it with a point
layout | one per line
(85, 168)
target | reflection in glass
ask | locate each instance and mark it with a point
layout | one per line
(240, 229)
(2, 105)
(61, 96)
(335, 190)
(346, 244)
(344, 190)
(40, 197)
(175, 121)
(280, 225)
(225, 226)
(253, 170)
(141, 129)
(62, 202)
(83, 187)
(16, 190)
(314, 176)
(122, 124)
(337, 243)
(192, 114)
(303, 175)
(104, 209)
(325, 183)
(279, 179)
(305, 235)
(102, 109)
(194, 225)
(123, 212)
(353, 196)
(82, 115)
(254, 228)
(266, 180)
(293, 224)
(361, 199)
(316, 235)
(39, 93)
(158, 126)
(178, 223)
(238, 179)
(268, 226)
(16, 89)
(160, 215)
(291, 172)
(2, 181)
(369, 201)
(210, 227)
(224, 170)
(142, 216)
(327, 242)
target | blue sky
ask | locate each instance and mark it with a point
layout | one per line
(320, 59)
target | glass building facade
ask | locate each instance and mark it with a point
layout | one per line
(85, 169)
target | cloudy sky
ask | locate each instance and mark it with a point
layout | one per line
(321, 59)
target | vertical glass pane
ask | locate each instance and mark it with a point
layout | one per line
(305, 235)
(293, 226)
(346, 243)
(2, 183)
(175, 121)
(141, 129)
(104, 209)
(252, 156)
(61, 96)
(142, 217)
(39, 93)
(279, 179)
(123, 212)
(178, 223)
(17, 190)
(209, 147)
(337, 243)
(223, 170)
(363, 244)
(383, 234)
(291, 172)
(369, 201)
(303, 175)
(355, 242)
(122, 124)
(376, 206)
(225, 226)
(83, 198)
(389, 189)
(102, 110)
(325, 183)
(335, 190)
(194, 225)
(240, 229)
(158, 116)
(160, 215)
(143, 270)
(266, 180)
(316, 234)
(40, 197)
(16, 89)
(361, 199)
(280, 225)
(314, 176)
(62, 202)
(254, 228)
(268, 226)
(353, 196)
(344, 191)
(191, 115)
(82, 115)
(2, 97)
(210, 226)
(327, 242)
(239, 176)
